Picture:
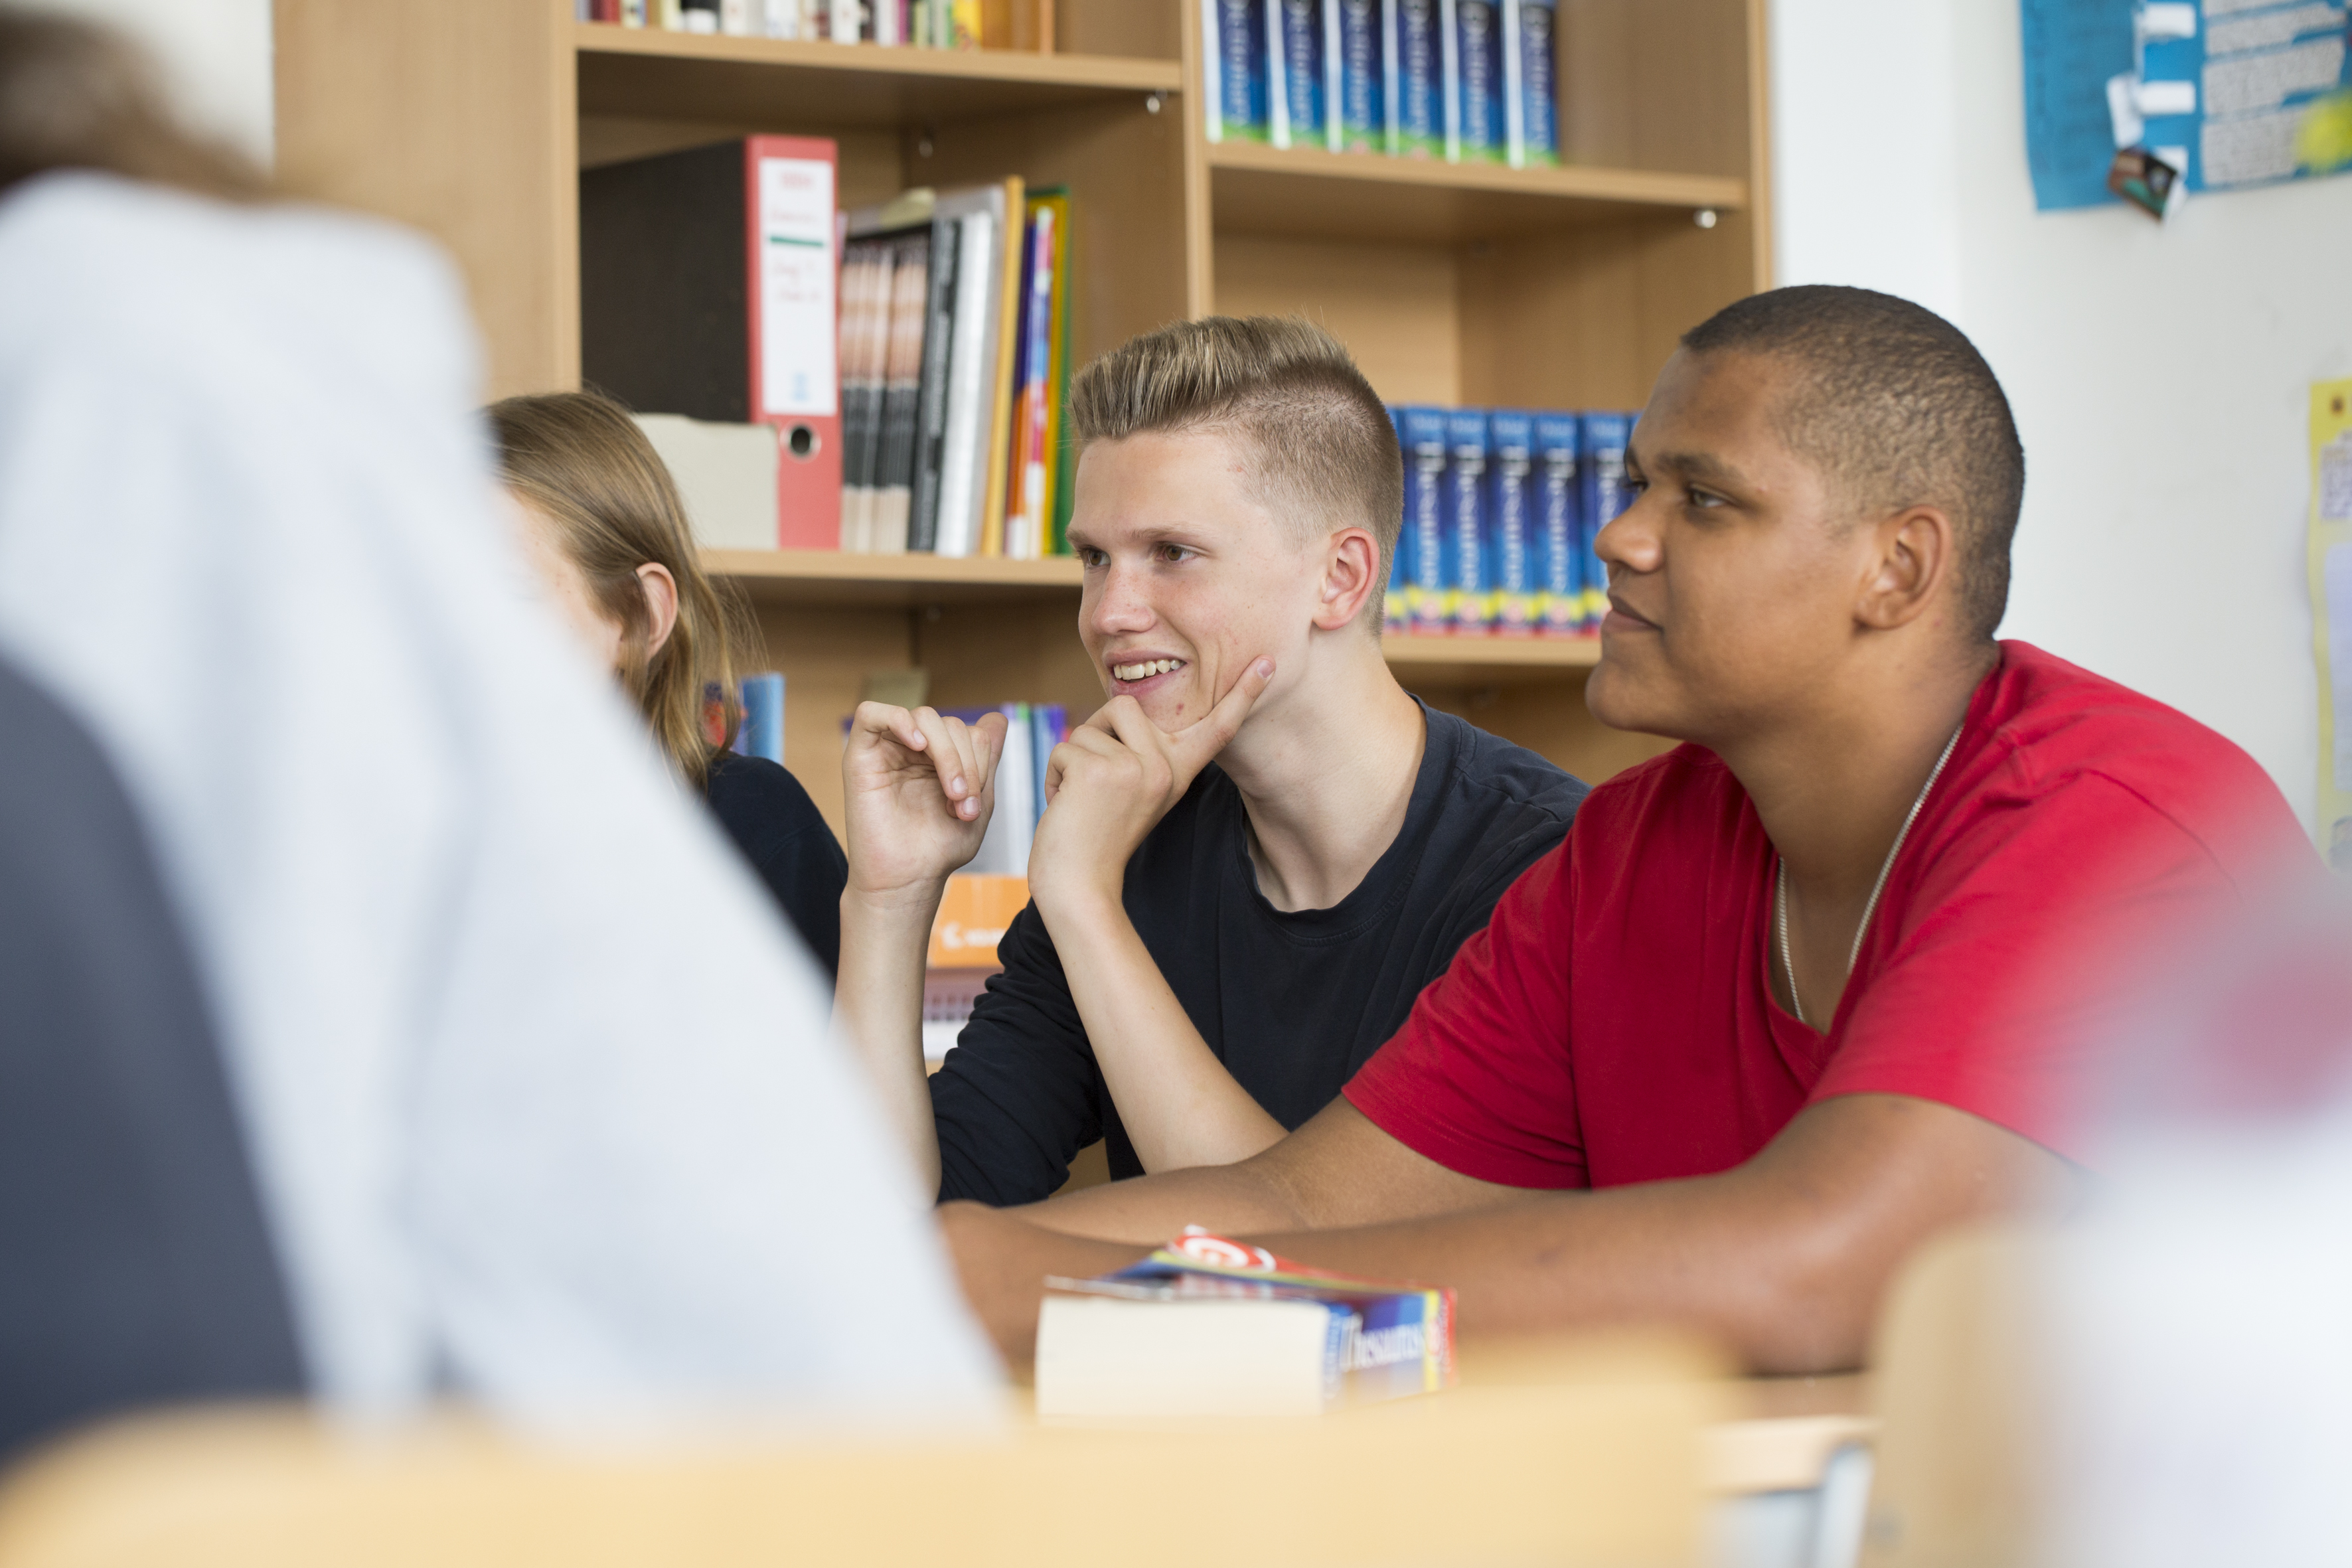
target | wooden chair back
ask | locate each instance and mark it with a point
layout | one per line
(1601, 1470)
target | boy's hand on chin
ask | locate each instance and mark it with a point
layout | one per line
(917, 791)
(1111, 782)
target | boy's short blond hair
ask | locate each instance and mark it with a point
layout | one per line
(1325, 452)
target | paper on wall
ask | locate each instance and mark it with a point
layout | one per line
(2331, 610)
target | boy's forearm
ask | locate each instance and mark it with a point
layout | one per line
(1176, 1101)
(878, 1008)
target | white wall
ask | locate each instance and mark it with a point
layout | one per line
(215, 55)
(2158, 373)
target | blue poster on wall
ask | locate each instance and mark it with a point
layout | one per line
(2223, 92)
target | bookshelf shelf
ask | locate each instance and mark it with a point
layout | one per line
(1306, 192)
(627, 71)
(1461, 657)
(840, 577)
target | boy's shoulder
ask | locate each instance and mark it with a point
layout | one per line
(1503, 775)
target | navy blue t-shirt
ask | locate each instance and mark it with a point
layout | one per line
(1291, 1002)
(779, 830)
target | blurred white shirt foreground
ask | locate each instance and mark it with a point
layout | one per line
(540, 1090)
(2197, 1356)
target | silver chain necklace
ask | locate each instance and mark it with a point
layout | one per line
(1781, 885)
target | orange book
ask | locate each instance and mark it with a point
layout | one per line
(973, 917)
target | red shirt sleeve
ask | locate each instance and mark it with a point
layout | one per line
(1479, 1078)
(2007, 996)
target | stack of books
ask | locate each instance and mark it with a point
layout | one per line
(1210, 1326)
(923, 23)
(886, 379)
(1501, 508)
(1470, 81)
(954, 370)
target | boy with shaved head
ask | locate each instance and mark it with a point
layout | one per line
(1213, 946)
(1808, 987)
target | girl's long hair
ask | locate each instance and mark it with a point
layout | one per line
(579, 461)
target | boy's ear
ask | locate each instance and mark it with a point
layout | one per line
(1351, 576)
(1918, 549)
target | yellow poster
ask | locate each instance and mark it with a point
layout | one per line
(2331, 610)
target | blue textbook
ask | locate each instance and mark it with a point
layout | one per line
(1234, 90)
(761, 734)
(1416, 78)
(1466, 521)
(1602, 455)
(1357, 74)
(1559, 510)
(1513, 523)
(1294, 36)
(1531, 111)
(1429, 599)
(1479, 134)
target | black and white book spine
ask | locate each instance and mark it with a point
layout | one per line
(931, 395)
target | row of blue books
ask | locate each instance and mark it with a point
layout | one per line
(1501, 506)
(1471, 81)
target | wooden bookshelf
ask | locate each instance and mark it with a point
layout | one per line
(685, 75)
(831, 577)
(1553, 288)
(1308, 192)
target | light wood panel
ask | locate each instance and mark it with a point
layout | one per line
(834, 576)
(1656, 84)
(1586, 319)
(872, 169)
(1490, 658)
(1118, 28)
(457, 117)
(978, 656)
(1393, 305)
(655, 74)
(1355, 195)
(1548, 718)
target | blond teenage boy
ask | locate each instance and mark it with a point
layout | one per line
(1214, 945)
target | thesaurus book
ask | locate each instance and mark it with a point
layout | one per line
(1208, 1326)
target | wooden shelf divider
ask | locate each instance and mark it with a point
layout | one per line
(701, 76)
(1308, 192)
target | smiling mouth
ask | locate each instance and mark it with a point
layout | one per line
(1146, 669)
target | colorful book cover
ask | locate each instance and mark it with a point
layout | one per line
(761, 733)
(1417, 79)
(1026, 509)
(1602, 450)
(1387, 1339)
(1481, 136)
(1429, 598)
(1467, 523)
(1063, 484)
(1053, 504)
(1559, 510)
(1233, 62)
(1294, 35)
(1359, 73)
(1517, 538)
(1396, 607)
(1531, 111)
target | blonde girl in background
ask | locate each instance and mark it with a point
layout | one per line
(608, 534)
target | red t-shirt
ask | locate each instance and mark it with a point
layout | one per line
(1615, 1022)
